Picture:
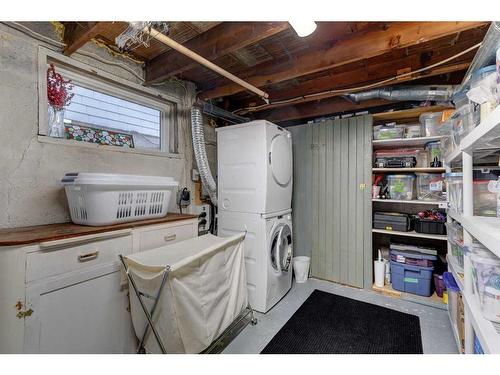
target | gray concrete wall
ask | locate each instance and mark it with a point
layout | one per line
(30, 171)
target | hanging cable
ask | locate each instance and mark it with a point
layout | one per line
(358, 88)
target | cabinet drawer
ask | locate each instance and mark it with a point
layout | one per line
(46, 263)
(153, 238)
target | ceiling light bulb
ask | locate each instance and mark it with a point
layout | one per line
(303, 28)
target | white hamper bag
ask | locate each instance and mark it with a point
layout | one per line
(204, 293)
(106, 198)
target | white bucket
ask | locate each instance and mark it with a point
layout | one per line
(301, 268)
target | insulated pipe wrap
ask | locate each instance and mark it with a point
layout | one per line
(410, 93)
(200, 153)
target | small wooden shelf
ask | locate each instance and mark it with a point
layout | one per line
(406, 114)
(415, 201)
(409, 170)
(403, 142)
(434, 300)
(412, 233)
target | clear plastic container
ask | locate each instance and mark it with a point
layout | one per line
(485, 201)
(462, 123)
(484, 109)
(401, 186)
(431, 187)
(431, 123)
(455, 191)
(434, 153)
(413, 131)
(486, 281)
(385, 132)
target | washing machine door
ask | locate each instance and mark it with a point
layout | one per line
(281, 248)
(280, 157)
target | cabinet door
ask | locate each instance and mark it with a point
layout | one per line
(80, 313)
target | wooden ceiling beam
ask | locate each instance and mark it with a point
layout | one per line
(358, 47)
(317, 109)
(216, 42)
(374, 70)
(75, 35)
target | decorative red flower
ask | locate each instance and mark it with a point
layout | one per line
(58, 89)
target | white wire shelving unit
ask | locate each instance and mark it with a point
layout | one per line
(486, 230)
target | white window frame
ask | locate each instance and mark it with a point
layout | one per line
(98, 80)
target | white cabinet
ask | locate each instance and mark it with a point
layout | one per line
(69, 296)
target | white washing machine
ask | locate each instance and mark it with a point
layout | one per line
(268, 253)
(254, 167)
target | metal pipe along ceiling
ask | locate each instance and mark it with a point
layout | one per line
(441, 93)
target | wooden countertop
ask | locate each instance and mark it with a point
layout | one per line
(52, 232)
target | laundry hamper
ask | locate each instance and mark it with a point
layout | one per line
(204, 292)
(105, 198)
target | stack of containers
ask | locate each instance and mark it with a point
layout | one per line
(412, 272)
(483, 92)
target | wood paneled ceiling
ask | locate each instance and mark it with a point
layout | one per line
(272, 57)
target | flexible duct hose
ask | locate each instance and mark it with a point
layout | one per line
(411, 93)
(200, 153)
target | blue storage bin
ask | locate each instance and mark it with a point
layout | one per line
(412, 279)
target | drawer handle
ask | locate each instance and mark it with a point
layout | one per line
(87, 257)
(170, 238)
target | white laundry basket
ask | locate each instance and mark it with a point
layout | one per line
(301, 268)
(105, 198)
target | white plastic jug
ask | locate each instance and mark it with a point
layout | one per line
(301, 268)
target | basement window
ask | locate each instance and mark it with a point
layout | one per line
(103, 112)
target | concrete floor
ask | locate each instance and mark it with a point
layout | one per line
(437, 335)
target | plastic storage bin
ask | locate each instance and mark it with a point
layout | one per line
(413, 131)
(455, 191)
(478, 82)
(439, 284)
(453, 290)
(434, 153)
(104, 198)
(485, 201)
(412, 279)
(388, 132)
(431, 123)
(486, 281)
(401, 186)
(462, 123)
(413, 258)
(430, 226)
(431, 187)
(402, 153)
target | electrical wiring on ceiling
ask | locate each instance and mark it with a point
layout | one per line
(358, 88)
(58, 44)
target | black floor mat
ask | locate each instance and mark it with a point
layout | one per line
(331, 324)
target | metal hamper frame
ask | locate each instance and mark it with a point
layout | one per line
(241, 321)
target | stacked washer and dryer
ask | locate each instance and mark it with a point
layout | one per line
(255, 195)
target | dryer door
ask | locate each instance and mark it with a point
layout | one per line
(281, 248)
(280, 159)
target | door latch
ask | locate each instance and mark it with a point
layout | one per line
(22, 313)
(362, 186)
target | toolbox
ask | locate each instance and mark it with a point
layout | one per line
(396, 162)
(392, 221)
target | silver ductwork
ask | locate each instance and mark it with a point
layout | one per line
(442, 93)
(200, 153)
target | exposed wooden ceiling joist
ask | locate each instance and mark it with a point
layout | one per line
(359, 46)
(218, 41)
(318, 108)
(373, 70)
(76, 34)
